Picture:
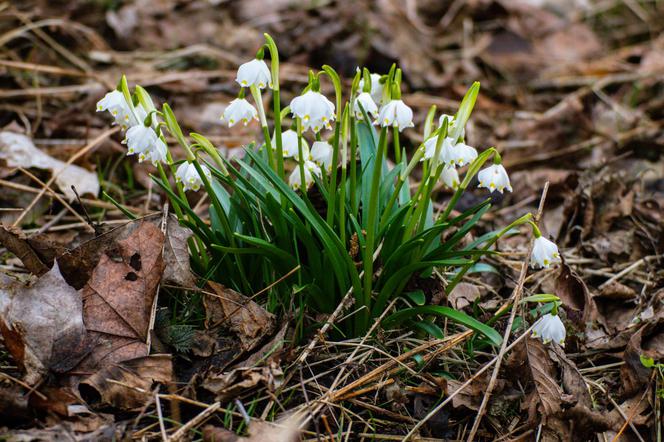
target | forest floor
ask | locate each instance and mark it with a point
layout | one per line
(573, 98)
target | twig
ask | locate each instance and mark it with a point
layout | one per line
(516, 296)
(200, 417)
(162, 428)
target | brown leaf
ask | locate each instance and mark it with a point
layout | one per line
(176, 255)
(259, 431)
(575, 296)
(117, 300)
(647, 341)
(16, 243)
(463, 295)
(229, 385)
(127, 384)
(249, 320)
(42, 324)
(543, 374)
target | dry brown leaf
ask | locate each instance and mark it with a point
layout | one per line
(42, 324)
(287, 430)
(176, 255)
(127, 384)
(647, 341)
(543, 374)
(249, 320)
(117, 300)
(463, 295)
(229, 385)
(18, 244)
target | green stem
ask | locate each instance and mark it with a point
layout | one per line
(300, 157)
(397, 147)
(363, 317)
(266, 131)
(353, 166)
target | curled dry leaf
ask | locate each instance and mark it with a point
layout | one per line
(226, 386)
(19, 151)
(647, 341)
(286, 430)
(127, 384)
(176, 255)
(249, 320)
(18, 244)
(117, 300)
(463, 295)
(42, 324)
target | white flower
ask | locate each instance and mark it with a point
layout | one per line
(139, 139)
(367, 103)
(430, 148)
(397, 114)
(115, 103)
(550, 328)
(310, 169)
(321, 153)
(155, 154)
(314, 109)
(289, 144)
(254, 73)
(450, 177)
(239, 110)
(451, 124)
(189, 177)
(376, 88)
(458, 154)
(494, 178)
(545, 253)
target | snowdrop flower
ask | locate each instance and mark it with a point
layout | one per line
(376, 89)
(321, 154)
(189, 177)
(430, 148)
(239, 110)
(115, 103)
(254, 73)
(458, 154)
(494, 178)
(451, 123)
(550, 328)
(450, 177)
(289, 144)
(139, 139)
(311, 169)
(156, 154)
(397, 114)
(368, 105)
(545, 253)
(314, 109)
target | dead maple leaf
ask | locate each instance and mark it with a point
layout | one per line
(127, 384)
(248, 320)
(118, 298)
(42, 324)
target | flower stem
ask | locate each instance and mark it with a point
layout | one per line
(258, 99)
(397, 147)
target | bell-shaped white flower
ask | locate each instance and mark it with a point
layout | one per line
(450, 177)
(451, 123)
(550, 328)
(311, 169)
(376, 88)
(544, 254)
(430, 149)
(458, 154)
(239, 110)
(115, 103)
(494, 178)
(289, 144)
(254, 73)
(189, 177)
(321, 154)
(367, 103)
(396, 114)
(156, 154)
(314, 109)
(139, 138)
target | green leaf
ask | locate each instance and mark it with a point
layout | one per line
(541, 298)
(646, 361)
(459, 317)
(430, 328)
(417, 297)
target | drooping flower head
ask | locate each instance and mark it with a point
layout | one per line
(187, 174)
(457, 155)
(545, 253)
(450, 177)
(254, 73)
(366, 102)
(289, 144)
(396, 114)
(376, 88)
(115, 103)
(314, 109)
(494, 178)
(139, 138)
(321, 154)
(156, 154)
(550, 329)
(311, 169)
(239, 110)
